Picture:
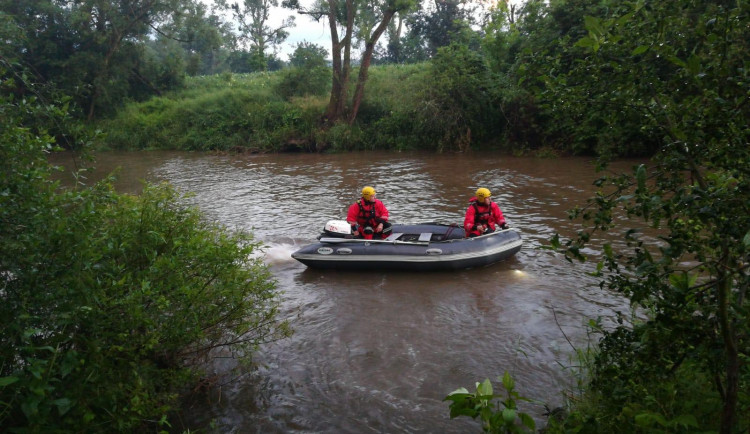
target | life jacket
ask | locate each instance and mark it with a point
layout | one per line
(368, 215)
(482, 217)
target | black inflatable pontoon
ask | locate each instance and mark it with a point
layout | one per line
(418, 247)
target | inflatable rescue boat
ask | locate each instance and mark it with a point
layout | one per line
(417, 247)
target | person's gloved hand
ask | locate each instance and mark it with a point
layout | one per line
(504, 226)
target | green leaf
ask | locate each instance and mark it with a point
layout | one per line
(5, 381)
(460, 390)
(686, 420)
(30, 408)
(640, 50)
(462, 410)
(679, 281)
(746, 240)
(677, 61)
(555, 240)
(509, 415)
(640, 176)
(508, 382)
(63, 405)
(528, 421)
(587, 42)
(486, 414)
(69, 362)
(599, 268)
(593, 25)
(682, 280)
(694, 64)
(485, 388)
(648, 419)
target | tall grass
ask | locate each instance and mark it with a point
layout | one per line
(251, 112)
(213, 113)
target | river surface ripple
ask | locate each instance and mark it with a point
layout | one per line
(376, 352)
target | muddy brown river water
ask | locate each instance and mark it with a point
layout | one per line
(376, 352)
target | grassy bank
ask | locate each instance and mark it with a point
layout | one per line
(253, 112)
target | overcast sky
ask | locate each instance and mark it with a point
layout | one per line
(306, 29)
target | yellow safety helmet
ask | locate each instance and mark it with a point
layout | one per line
(368, 193)
(482, 194)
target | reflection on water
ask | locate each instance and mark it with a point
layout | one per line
(375, 351)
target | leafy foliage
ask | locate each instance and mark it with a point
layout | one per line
(308, 75)
(111, 303)
(253, 25)
(436, 25)
(459, 104)
(500, 417)
(679, 68)
(360, 22)
(215, 113)
(91, 50)
(308, 56)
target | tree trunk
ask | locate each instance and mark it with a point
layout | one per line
(728, 413)
(115, 39)
(332, 111)
(341, 69)
(365, 65)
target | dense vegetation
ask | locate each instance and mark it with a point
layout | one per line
(685, 367)
(520, 84)
(111, 304)
(668, 80)
(679, 362)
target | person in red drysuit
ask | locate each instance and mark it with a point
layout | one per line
(368, 216)
(483, 215)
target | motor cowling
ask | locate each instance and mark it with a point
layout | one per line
(337, 229)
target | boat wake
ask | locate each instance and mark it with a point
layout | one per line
(276, 254)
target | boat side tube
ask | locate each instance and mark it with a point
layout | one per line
(337, 253)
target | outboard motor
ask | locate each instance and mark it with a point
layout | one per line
(337, 229)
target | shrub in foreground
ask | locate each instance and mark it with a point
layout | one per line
(109, 303)
(498, 412)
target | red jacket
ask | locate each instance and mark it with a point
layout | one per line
(367, 213)
(482, 214)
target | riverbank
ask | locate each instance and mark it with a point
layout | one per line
(255, 113)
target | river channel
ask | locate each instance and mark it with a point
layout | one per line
(375, 351)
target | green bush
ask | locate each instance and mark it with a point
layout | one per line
(632, 381)
(498, 412)
(460, 105)
(228, 113)
(341, 137)
(451, 104)
(276, 112)
(389, 115)
(111, 303)
(298, 81)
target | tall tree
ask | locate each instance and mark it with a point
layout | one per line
(308, 55)
(441, 23)
(93, 49)
(364, 20)
(206, 40)
(252, 17)
(112, 26)
(393, 51)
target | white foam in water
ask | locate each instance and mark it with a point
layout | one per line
(278, 253)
